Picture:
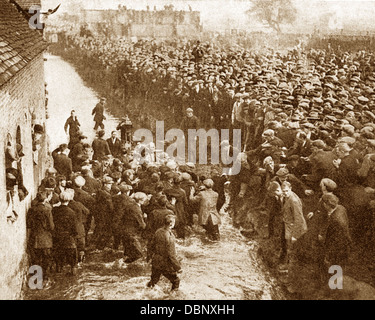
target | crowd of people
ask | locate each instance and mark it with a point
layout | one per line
(99, 195)
(308, 139)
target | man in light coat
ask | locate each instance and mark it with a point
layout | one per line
(295, 223)
(295, 228)
(208, 216)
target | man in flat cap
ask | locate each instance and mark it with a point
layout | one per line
(134, 225)
(334, 235)
(98, 113)
(100, 147)
(61, 161)
(120, 201)
(163, 254)
(103, 215)
(114, 144)
(295, 228)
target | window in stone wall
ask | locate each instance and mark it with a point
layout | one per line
(22, 191)
(11, 180)
(13, 169)
(37, 134)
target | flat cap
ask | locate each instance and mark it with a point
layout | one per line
(282, 172)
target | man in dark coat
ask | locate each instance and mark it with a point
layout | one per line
(163, 254)
(100, 147)
(219, 187)
(298, 186)
(335, 234)
(114, 145)
(156, 220)
(98, 113)
(77, 153)
(133, 227)
(322, 166)
(66, 231)
(189, 122)
(181, 203)
(40, 223)
(348, 167)
(91, 186)
(81, 213)
(103, 215)
(120, 202)
(198, 53)
(86, 199)
(74, 125)
(61, 161)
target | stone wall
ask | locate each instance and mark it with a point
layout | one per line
(22, 104)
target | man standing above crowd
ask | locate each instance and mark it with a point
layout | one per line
(98, 113)
(237, 112)
(74, 126)
(190, 122)
(198, 52)
(125, 127)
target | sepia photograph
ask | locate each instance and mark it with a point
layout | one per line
(187, 155)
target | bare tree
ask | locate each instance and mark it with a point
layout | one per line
(273, 12)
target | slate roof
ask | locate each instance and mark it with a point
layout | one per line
(19, 44)
(26, 4)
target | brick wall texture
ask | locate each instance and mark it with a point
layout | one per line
(22, 104)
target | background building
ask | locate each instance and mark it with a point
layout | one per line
(123, 22)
